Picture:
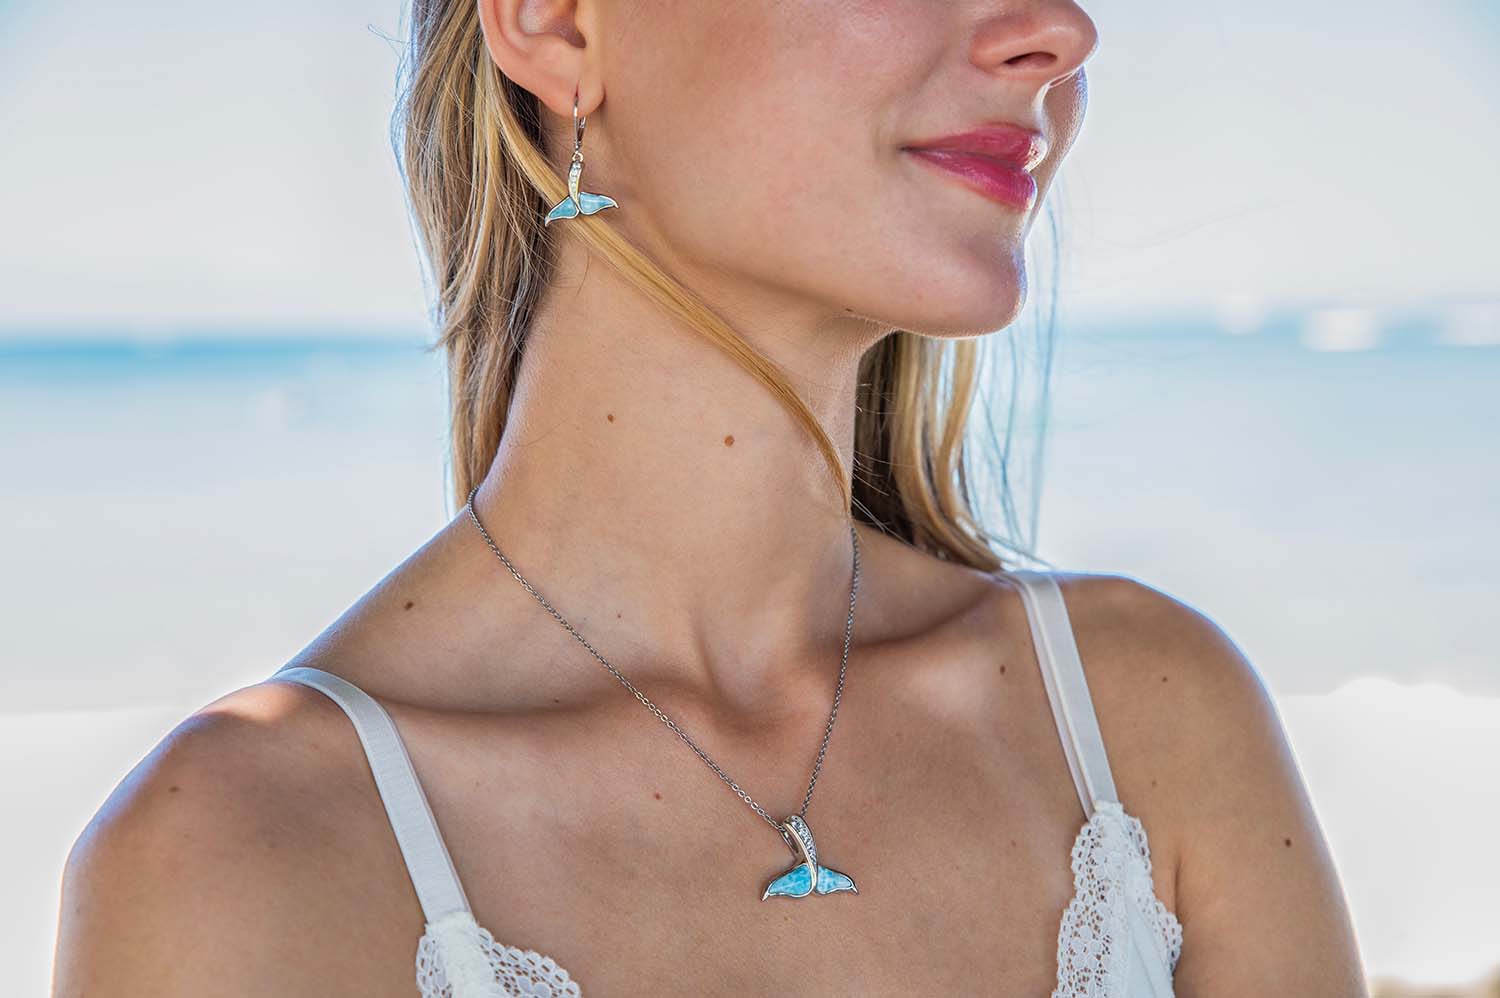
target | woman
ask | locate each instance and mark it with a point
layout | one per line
(514, 818)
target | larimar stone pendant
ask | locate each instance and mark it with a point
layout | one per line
(806, 877)
(579, 201)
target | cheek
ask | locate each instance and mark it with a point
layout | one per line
(757, 153)
(767, 150)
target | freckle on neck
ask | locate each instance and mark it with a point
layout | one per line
(729, 440)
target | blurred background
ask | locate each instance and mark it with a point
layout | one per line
(1275, 394)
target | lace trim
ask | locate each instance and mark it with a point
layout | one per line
(1165, 921)
(459, 958)
(1092, 954)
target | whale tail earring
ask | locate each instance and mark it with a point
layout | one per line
(579, 201)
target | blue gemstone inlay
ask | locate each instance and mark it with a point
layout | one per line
(796, 882)
(595, 202)
(832, 880)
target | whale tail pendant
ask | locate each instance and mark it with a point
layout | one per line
(798, 882)
(586, 204)
(578, 202)
(806, 877)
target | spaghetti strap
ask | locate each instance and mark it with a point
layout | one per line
(427, 860)
(1067, 688)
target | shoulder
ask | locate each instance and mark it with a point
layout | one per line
(212, 858)
(1139, 634)
(1138, 640)
(1193, 734)
(1171, 690)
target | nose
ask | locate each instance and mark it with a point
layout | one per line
(1044, 41)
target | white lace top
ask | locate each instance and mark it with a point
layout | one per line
(1116, 940)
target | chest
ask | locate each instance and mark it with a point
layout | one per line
(641, 872)
(950, 927)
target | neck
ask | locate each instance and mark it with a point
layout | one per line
(665, 502)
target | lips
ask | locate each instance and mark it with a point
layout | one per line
(994, 160)
(1021, 147)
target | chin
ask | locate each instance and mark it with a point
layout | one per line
(977, 308)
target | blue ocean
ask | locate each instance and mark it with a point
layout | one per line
(1332, 501)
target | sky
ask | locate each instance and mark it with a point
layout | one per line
(171, 164)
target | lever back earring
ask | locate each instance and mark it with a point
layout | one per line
(578, 202)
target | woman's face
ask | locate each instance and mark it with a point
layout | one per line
(761, 145)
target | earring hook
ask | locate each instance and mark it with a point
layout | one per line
(578, 124)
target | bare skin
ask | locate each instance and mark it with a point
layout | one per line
(685, 524)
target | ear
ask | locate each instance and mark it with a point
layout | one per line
(549, 47)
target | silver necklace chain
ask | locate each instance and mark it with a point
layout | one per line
(837, 694)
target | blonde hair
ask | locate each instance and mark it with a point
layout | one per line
(470, 149)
